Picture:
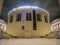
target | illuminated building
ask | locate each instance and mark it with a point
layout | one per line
(28, 21)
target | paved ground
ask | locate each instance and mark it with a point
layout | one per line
(30, 41)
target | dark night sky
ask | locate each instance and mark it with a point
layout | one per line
(50, 5)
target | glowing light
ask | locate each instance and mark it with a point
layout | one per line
(28, 7)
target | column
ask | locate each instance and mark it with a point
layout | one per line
(1, 3)
(34, 20)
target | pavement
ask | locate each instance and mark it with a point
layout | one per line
(33, 41)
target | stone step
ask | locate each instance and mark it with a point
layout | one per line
(34, 41)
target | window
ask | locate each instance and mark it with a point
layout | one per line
(22, 27)
(39, 17)
(34, 20)
(28, 16)
(18, 17)
(11, 18)
(46, 19)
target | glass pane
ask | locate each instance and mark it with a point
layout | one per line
(18, 17)
(28, 16)
(39, 17)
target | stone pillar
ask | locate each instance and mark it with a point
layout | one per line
(1, 3)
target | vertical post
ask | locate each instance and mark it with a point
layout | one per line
(23, 18)
(34, 20)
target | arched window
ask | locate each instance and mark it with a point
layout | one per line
(18, 17)
(11, 18)
(46, 19)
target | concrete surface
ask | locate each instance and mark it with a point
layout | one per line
(30, 41)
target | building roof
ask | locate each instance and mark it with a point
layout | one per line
(28, 7)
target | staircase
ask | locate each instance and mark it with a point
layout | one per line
(7, 36)
(52, 35)
(34, 41)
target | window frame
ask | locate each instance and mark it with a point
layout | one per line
(39, 18)
(28, 17)
(18, 17)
